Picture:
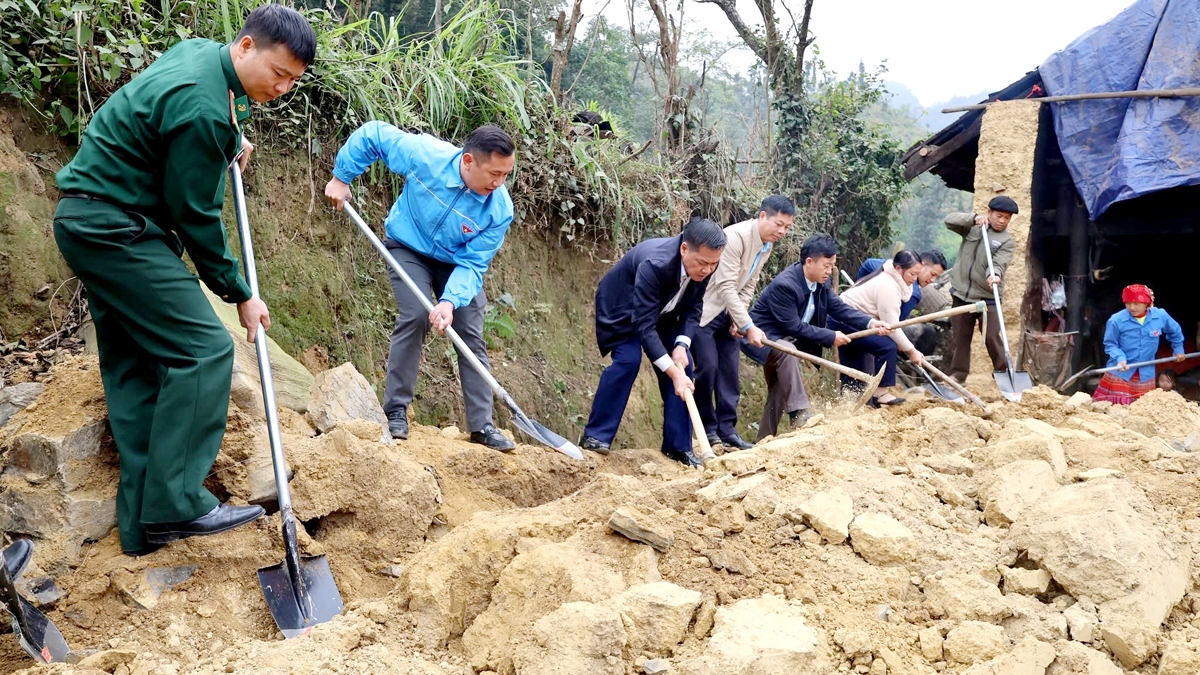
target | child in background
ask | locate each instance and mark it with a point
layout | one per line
(1167, 380)
(1130, 336)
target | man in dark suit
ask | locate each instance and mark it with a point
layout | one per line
(651, 298)
(795, 306)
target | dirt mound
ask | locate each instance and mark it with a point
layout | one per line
(1052, 537)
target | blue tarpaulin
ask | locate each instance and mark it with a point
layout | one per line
(1118, 149)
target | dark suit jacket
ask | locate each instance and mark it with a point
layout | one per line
(635, 290)
(782, 303)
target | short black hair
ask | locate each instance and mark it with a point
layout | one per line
(703, 232)
(819, 245)
(487, 140)
(777, 204)
(934, 258)
(905, 259)
(271, 25)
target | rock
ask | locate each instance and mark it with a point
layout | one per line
(656, 667)
(17, 397)
(293, 382)
(590, 566)
(579, 638)
(931, 644)
(1180, 658)
(1029, 657)
(830, 513)
(739, 462)
(142, 590)
(109, 659)
(742, 487)
(1081, 625)
(882, 540)
(760, 501)
(1038, 446)
(760, 636)
(395, 571)
(1014, 486)
(967, 597)
(656, 616)
(854, 643)
(948, 430)
(946, 491)
(735, 562)
(714, 492)
(973, 641)
(1026, 582)
(1102, 540)
(1131, 639)
(1097, 473)
(42, 591)
(1078, 400)
(343, 394)
(727, 516)
(640, 526)
(449, 582)
(954, 465)
(1075, 659)
(705, 616)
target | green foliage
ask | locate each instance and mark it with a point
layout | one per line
(843, 172)
(919, 221)
(497, 324)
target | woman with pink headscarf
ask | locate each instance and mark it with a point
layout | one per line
(1131, 336)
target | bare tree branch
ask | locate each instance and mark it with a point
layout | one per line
(564, 40)
(752, 40)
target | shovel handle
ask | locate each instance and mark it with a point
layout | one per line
(1139, 364)
(697, 425)
(976, 308)
(954, 384)
(835, 367)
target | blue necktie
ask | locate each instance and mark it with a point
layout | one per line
(753, 266)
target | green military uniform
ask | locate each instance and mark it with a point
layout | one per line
(147, 184)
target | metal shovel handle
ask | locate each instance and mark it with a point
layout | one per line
(987, 251)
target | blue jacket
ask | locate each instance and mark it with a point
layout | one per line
(631, 296)
(1127, 340)
(436, 214)
(781, 305)
(872, 264)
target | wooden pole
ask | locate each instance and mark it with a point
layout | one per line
(1144, 93)
(976, 308)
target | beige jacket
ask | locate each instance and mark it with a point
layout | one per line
(880, 298)
(726, 290)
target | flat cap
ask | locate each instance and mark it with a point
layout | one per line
(1003, 203)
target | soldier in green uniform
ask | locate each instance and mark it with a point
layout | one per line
(147, 185)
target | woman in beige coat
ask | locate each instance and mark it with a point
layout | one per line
(879, 295)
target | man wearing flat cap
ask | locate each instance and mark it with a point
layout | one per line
(971, 282)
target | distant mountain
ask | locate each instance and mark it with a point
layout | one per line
(931, 118)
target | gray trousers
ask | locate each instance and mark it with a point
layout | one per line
(785, 391)
(412, 324)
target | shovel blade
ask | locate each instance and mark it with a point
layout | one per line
(541, 434)
(43, 641)
(1012, 383)
(944, 394)
(297, 610)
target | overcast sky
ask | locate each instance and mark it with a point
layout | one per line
(937, 48)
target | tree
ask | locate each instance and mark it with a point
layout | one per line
(564, 40)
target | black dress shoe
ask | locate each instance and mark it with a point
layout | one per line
(683, 457)
(492, 438)
(145, 550)
(17, 556)
(735, 441)
(595, 445)
(398, 424)
(223, 517)
(895, 400)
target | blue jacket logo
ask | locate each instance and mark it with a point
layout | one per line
(467, 229)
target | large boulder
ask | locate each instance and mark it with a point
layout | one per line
(293, 382)
(579, 638)
(760, 636)
(656, 616)
(1031, 446)
(1014, 486)
(343, 394)
(1102, 541)
(16, 397)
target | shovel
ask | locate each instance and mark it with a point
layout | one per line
(300, 591)
(1096, 371)
(932, 387)
(38, 636)
(1011, 382)
(520, 420)
(706, 452)
(953, 383)
(872, 382)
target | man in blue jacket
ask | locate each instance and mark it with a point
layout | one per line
(444, 230)
(651, 298)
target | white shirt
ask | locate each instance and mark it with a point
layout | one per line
(663, 362)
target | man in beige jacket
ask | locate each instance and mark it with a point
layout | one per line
(726, 317)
